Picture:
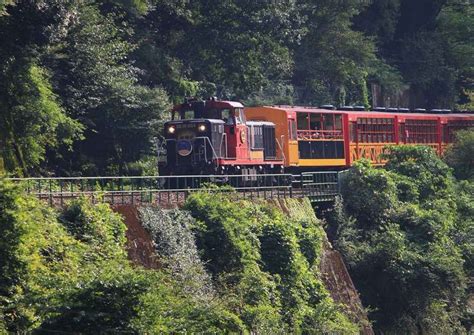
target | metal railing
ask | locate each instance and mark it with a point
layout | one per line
(173, 190)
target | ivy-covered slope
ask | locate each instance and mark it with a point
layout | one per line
(259, 260)
(225, 266)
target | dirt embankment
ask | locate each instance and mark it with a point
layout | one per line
(339, 283)
(140, 246)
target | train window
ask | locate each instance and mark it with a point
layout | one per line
(328, 121)
(421, 131)
(453, 126)
(239, 116)
(256, 137)
(187, 115)
(292, 129)
(315, 121)
(338, 121)
(302, 120)
(375, 130)
(353, 131)
(226, 116)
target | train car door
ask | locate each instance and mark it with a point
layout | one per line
(237, 135)
(292, 153)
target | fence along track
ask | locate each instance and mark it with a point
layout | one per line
(172, 191)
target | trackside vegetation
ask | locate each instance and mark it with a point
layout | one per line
(406, 233)
(238, 266)
(227, 267)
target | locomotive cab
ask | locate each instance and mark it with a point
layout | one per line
(214, 137)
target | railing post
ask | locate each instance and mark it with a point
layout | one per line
(291, 186)
(61, 191)
(50, 193)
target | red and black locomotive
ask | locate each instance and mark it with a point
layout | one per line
(214, 137)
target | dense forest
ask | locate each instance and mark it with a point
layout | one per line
(85, 85)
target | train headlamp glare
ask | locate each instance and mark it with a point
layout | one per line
(202, 127)
(171, 129)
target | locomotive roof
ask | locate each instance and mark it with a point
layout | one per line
(208, 104)
(218, 121)
(367, 113)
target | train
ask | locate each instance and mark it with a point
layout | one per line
(217, 137)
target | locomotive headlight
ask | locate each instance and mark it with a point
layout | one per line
(171, 129)
(202, 127)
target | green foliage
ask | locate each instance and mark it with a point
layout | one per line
(97, 226)
(266, 263)
(71, 274)
(429, 43)
(227, 242)
(376, 185)
(333, 61)
(41, 260)
(460, 155)
(121, 116)
(32, 119)
(405, 237)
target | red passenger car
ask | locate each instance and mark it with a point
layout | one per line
(327, 138)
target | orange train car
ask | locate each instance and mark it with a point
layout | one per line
(318, 138)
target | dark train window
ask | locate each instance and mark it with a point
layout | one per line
(375, 130)
(420, 131)
(302, 120)
(315, 122)
(321, 149)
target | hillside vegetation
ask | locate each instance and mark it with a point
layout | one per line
(85, 85)
(406, 232)
(227, 266)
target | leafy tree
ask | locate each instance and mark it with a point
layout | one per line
(99, 87)
(460, 155)
(400, 233)
(266, 264)
(423, 167)
(33, 119)
(39, 260)
(333, 63)
(232, 48)
(429, 42)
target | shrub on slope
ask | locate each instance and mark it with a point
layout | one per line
(401, 233)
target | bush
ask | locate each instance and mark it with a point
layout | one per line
(460, 155)
(266, 262)
(40, 260)
(395, 229)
